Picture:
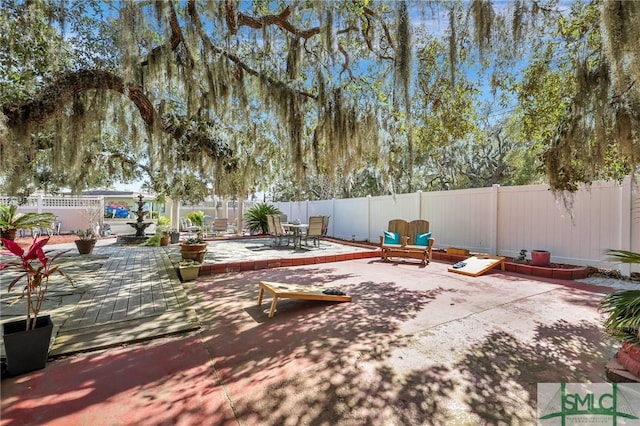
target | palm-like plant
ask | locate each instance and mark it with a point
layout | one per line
(623, 315)
(11, 219)
(256, 217)
(623, 307)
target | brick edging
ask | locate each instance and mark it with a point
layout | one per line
(575, 273)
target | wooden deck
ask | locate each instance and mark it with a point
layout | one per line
(137, 296)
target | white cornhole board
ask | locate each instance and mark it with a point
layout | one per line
(479, 264)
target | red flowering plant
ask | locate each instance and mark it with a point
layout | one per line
(37, 273)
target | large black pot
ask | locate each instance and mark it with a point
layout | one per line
(175, 237)
(27, 350)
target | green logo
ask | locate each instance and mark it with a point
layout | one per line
(588, 403)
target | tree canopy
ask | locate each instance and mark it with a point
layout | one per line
(342, 97)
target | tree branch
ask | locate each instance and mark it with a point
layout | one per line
(236, 19)
(193, 13)
(49, 101)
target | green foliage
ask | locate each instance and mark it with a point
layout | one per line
(329, 94)
(164, 220)
(11, 219)
(196, 218)
(623, 307)
(86, 234)
(623, 315)
(256, 217)
(153, 241)
(194, 240)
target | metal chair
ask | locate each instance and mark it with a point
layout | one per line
(278, 231)
(185, 227)
(208, 224)
(315, 230)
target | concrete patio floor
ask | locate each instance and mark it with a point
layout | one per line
(415, 346)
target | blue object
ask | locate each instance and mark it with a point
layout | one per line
(391, 237)
(423, 239)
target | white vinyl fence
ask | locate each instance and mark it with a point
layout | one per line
(499, 220)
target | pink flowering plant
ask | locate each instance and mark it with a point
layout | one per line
(37, 268)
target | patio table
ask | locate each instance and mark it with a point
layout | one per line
(297, 232)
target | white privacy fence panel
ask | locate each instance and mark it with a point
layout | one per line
(387, 207)
(350, 218)
(531, 218)
(461, 218)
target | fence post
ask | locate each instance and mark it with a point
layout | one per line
(333, 217)
(40, 203)
(493, 220)
(369, 218)
(624, 237)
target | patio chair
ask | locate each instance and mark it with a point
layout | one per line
(279, 232)
(207, 224)
(315, 230)
(325, 225)
(220, 225)
(186, 226)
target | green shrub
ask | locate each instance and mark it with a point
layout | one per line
(196, 218)
(256, 217)
(623, 307)
(153, 241)
(164, 220)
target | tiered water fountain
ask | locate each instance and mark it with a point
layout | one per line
(139, 225)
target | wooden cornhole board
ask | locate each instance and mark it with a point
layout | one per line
(295, 291)
(479, 264)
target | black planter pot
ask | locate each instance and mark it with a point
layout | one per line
(27, 350)
(175, 237)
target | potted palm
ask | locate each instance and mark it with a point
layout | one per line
(623, 317)
(27, 341)
(86, 240)
(11, 221)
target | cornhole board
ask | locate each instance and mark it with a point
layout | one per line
(295, 291)
(479, 264)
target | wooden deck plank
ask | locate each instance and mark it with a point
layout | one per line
(136, 296)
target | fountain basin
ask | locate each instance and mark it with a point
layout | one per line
(132, 239)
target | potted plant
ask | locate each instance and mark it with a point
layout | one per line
(623, 317)
(189, 269)
(11, 220)
(163, 228)
(27, 341)
(86, 240)
(193, 248)
(165, 238)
